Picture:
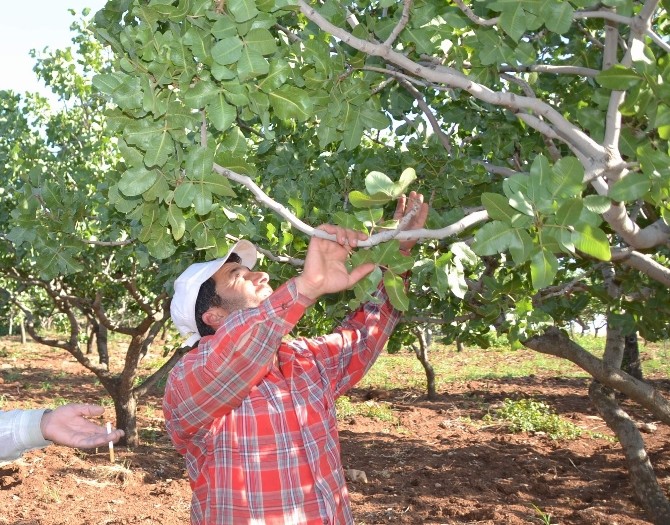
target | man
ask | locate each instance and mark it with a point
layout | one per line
(23, 430)
(253, 413)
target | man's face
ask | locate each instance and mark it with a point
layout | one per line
(239, 288)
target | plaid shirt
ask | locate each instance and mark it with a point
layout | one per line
(254, 415)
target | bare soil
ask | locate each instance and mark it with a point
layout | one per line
(439, 462)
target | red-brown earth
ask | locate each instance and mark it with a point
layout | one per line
(439, 462)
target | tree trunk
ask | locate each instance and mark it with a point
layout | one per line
(421, 352)
(126, 418)
(102, 340)
(643, 479)
(631, 357)
(24, 339)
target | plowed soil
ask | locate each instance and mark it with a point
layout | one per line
(438, 462)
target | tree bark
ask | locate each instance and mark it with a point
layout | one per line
(642, 475)
(126, 418)
(631, 357)
(102, 340)
(557, 343)
(421, 351)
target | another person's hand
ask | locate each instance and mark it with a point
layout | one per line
(67, 425)
(325, 270)
(405, 205)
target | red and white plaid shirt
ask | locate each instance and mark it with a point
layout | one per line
(254, 415)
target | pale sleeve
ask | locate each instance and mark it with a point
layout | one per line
(20, 432)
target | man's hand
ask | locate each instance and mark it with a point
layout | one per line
(67, 425)
(405, 205)
(325, 270)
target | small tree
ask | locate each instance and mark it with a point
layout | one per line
(66, 253)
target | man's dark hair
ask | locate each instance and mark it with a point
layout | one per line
(207, 298)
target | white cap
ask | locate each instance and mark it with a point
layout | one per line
(187, 286)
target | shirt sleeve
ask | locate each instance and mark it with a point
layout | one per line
(20, 432)
(348, 353)
(213, 379)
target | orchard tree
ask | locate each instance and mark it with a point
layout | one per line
(66, 255)
(539, 129)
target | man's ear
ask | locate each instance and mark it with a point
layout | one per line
(214, 317)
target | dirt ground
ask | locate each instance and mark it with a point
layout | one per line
(437, 463)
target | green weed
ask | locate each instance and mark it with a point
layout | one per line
(529, 415)
(346, 409)
(544, 517)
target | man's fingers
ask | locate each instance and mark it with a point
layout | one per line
(344, 236)
(360, 272)
(91, 410)
(400, 207)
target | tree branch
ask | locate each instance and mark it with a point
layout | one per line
(455, 79)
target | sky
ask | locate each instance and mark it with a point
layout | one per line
(34, 25)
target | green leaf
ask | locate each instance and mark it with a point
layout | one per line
(618, 77)
(567, 177)
(176, 221)
(378, 182)
(520, 245)
(184, 194)
(569, 212)
(663, 121)
(251, 64)
(199, 162)
(558, 17)
(227, 51)
(597, 203)
(362, 200)
(498, 207)
(220, 113)
(513, 20)
(456, 281)
(242, 10)
(406, 178)
(592, 241)
(543, 269)
(291, 102)
(630, 188)
(218, 184)
(137, 180)
(395, 289)
(200, 94)
(261, 40)
(159, 150)
(493, 238)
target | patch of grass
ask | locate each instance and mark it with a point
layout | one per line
(471, 364)
(529, 415)
(51, 494)
(59, 401)
(151, 434)
(106, 401)
(11, 376)
(346, 409)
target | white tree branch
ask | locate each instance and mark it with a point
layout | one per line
(455, 79)
(398, 233)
